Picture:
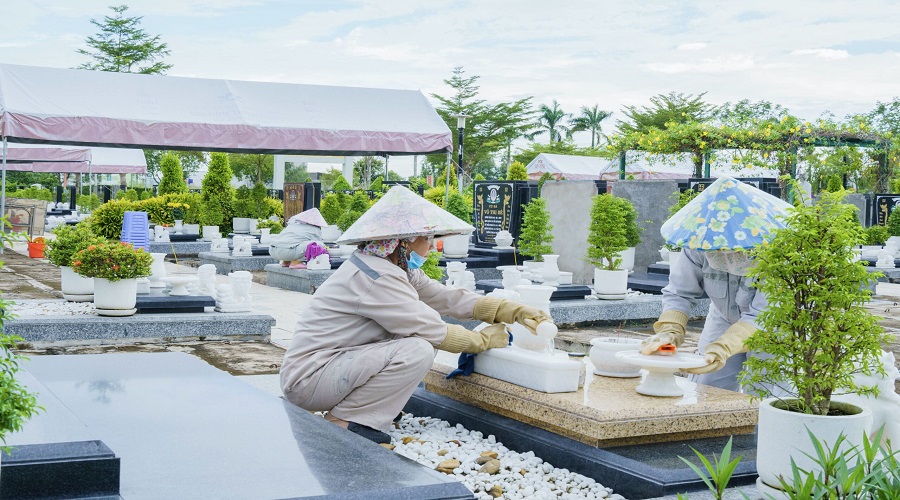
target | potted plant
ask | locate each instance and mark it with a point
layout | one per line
(178, 209)
(457, 246)
(632, 233)
(817, 334)
(535, 235)
(243, 208)
(36, 247)
(115, 268)
(68, 241)
(607, 237)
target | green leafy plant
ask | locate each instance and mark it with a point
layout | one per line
(816, 328)
(535, 235)
(112, 261)
(359, 203)
(211, 213)
(893, 223)
(457, 205)
(131, 195)
(341, 184)
(834, 184)
(88, 202)
(120, 195)
(216, 186)
(436, 194)
(106, 220)
(17, 405)
(32, 193)
(330, 208)
(546, 176)
(718, 471)
(377, 185)
(178, 209)
(258, 207)
(877, 235)
(607, 235)
(172, 181)
(275, 225)
(430, 267)
(516, 172)
(242, 205)
(68, 241)
(146, 195)
(632, 230)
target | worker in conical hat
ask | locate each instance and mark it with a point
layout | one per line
(291, 244)
(715, 231)
(369, 334)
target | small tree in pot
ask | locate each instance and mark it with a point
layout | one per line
(607, 238)
(535, 235)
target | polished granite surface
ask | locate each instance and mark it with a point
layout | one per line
(607, 411)
(184, 429)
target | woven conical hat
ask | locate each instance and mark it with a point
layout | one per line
(403, 214)
(312, 217)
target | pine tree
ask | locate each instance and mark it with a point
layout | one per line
(341, 184)
(216, 192)
(456, 205)
(516, 172)
(122, 46)
(172, 176)
(893, 223)
(607, 235)
(535, 236)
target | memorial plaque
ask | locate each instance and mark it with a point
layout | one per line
(884, 205)
(293, 198)
(493, 209)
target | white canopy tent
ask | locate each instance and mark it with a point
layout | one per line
(97, 108)
(580, 168)
(71, 159)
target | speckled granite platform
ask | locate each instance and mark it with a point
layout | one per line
(607, 411)
(225, 263)
(181, 248)
(91, 329)
(298, 280)
(593, 311)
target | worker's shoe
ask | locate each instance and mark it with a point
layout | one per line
(369, 433)
(296, 264)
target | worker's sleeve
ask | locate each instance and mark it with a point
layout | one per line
(454, 302)
(757, 305)
(391, 302)
(685, 283)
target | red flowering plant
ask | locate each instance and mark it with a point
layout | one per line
(112, 261)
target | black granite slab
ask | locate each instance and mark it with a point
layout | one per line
(658, 269)
(871, 261)
(635, 472)
(505, 256)
(183, 237)
(472, 262)
(648, 282)
(563, 292)
(184, 429)
(164, 303)
(260, 249)
(80, 469)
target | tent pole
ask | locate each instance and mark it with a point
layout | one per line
(447, 170)
(90, 185)
(387, 169)
(3, 196)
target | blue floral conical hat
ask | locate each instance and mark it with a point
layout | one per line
(400, 213)
(728, 215)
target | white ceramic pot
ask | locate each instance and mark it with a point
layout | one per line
(534, 270)
(673, 257)
(664, 254)
(537, 296)
(782, 436)
(503, 239)
(610, 283)
(627, 257)
(157, 270)
(456, 246)
(191, 229)
(210, 232)
(179, 227)
(565, 278)
(603, 357)
(75, 287)
(115, 298)
(241, 224)
(550, 271)
(264, 235)
(330, 234)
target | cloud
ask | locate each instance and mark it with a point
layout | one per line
(822, 53)
(693, 46)
(722, 64)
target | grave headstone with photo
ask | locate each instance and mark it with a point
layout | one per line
(498, 207)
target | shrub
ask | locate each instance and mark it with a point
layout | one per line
(275, 226)
(106, 220)
(430, 267)
(131, 195)
(457, 205)
(436, 194)
(258, 195)
(120, 195)
(272, 206)
(893, 223)
(377, 185)
(834, 184)
(607, 235)
(146, 195)
(32, 193)
(341, 184)
(632, 231)
(160, 208)
(877, 235)
(172, 181)
(211, 214)
(70, 239)
(535, 236)
(330, 207)
(516, 172)
(242, 204)
(216, 186)
(88, 202)
(112, 261)
(546, 176)
(348, 218)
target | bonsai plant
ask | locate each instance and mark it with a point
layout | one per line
(115, 268)
(535, 235)
(815, 330)
(607, 237)
(69, 240)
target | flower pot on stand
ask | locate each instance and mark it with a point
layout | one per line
(158, 270)
(537, 296)
(603, 357)
(36, 250)
(456, 246)
(115, 298)
(782, 436)
(331, 233)
(179, 227)
(75, 287)
(611, 284)
(264, 235)
(550, 271)
(627, 257)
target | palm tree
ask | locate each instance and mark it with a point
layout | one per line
(551, 120)
(590, 120)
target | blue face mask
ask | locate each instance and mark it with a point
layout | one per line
(414, 260)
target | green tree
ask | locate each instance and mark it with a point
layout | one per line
(341, 184)
(295, 172)
(172, 176)
(377, 185)
(457, 205)
(551, 120)
(663, 110)
(216, 193)
(607, 234)
(191, 161)
(331, 177)
(364, 168)
(330, 208)
(29, 178)
(516, 172)
(252, 167)
(591, 120)
(546, 176)
(489, 127)
(535, 236)
(740, 113)
(122, 46)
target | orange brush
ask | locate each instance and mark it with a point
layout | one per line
(666, 350)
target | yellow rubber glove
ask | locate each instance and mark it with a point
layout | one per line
(669, 329)
(459, 339)
(493, 310)
(730, 343)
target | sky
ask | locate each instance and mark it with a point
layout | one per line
(810, 56)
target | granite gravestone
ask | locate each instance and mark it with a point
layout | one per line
(498, 207)
(884, 205)
(569, 204)
(651, 200)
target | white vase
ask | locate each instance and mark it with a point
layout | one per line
(241, 224)
(537, 296)
(264, 235)
(331, 233)
(782, 436)
(550, 271)
(210, 232)
(157, 270)
(664, 254)
(115, 298)
(610, 284)
(456, 246)
(627, 257)
(503, 239)
(534, 270)
(75, 287)
(179, 227)
(191, 229)
(603, 357)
